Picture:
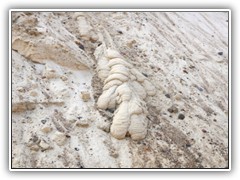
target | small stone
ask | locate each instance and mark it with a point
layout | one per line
(33, 93)
(21, 89)
(76, 149)
(131, 43)
(170, 110)
(181, 116)
(178, 97)
(35, 138)
(188, 145)
(220, 53)
(46, 129)
(85, 96)
(200, 89)
(81, 46)
(60, 138)
(72, 121)
(145, 74)
(204, 131)
(34, 147)
(128, 134)
(185, 71)
(167, 95)
(120, 32)
(173, 109)
(82, 123)
(50, 73)
(44, 145)
(24, 121)
(164, 148)
(29, 120)
(64, 78)
(68, 136)
(44, 121)
(30, 106)
(114, 154)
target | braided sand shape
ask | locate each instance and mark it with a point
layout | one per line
(125, 89)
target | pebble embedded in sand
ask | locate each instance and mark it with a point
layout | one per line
(181, 116)
(34, 147)
(82, 123)
(85, 96)
(59, 138)
(33, 93)
(167, 95)
(64, 78)
(173, 109)
(46, 129)
(44, 145)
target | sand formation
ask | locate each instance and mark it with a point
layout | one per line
(124, 91)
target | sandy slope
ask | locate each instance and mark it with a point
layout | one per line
(55, 120)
